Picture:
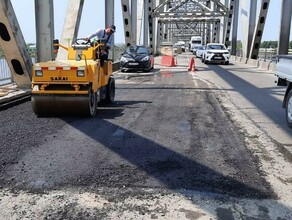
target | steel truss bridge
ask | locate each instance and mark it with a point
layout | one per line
(147, 21)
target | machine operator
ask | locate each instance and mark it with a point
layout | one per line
(108, 35)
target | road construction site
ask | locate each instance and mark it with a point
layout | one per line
(209, 143)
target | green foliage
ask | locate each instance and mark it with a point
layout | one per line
(273, 44)
(269, 44)
(239, 44)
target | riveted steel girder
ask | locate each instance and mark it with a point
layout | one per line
(257, 37)
(14, 47)
(45, 33)
(71, 25)
(285, 27)
(127, 22)
(199, 15)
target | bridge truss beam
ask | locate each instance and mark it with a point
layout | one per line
(14, 47)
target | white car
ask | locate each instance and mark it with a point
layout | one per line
(200, 50)
(216, 53)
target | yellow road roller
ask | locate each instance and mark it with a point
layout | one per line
(72, 86)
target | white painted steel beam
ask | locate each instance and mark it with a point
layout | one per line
(223, 22)
(151, 24)
(134, 16)
(146, 23)
(248, 20)
(252, 24)
(285, 27)
(110, 20)
(109, 12)
(71, 26)
(257, 37)
(140, 7)
(188, 20)
(194, 13)
(127, 22)
(235, 28)
(188, 14)
(44, 17)
(208, 25)
(14, 47)
(229, 23)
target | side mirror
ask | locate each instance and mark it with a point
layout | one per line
(56, 44)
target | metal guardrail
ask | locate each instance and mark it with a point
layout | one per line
(265, 54)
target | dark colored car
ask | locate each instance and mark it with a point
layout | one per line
(137, 58)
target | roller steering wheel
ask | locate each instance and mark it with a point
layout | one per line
(82, 41)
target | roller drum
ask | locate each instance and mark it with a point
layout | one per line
(81, 105)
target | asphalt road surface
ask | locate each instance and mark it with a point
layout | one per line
(174, 145)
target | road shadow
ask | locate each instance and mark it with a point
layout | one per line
(125, 158)
(119, 157)
(255, 95)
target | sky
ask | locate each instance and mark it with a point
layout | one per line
(93, 18)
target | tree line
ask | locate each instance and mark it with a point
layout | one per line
(265, 44)
(273, 44)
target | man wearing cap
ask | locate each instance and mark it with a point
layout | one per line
(106, 34)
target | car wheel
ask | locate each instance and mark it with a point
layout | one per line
(289, 109)
(205, 61)
(227, 62)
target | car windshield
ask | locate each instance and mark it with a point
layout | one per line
(137, 50)
(201, 48)
(216, 47)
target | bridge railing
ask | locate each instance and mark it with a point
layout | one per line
(265, 54)
(5, 75)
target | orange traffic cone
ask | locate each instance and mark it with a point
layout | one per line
(172, 62)
(192, 60)
(194, 66)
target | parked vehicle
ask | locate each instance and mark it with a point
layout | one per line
(284, 74)
(200, 50)
(216, 53)
(137, 58)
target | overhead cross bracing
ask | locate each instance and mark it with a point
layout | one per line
(186, 18)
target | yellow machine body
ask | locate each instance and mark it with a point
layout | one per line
(71, 84)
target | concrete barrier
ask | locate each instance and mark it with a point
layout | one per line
(264, 65)
(253, 62)
(232, 58)
(238, 59)
(243, 60)
(272, 67)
